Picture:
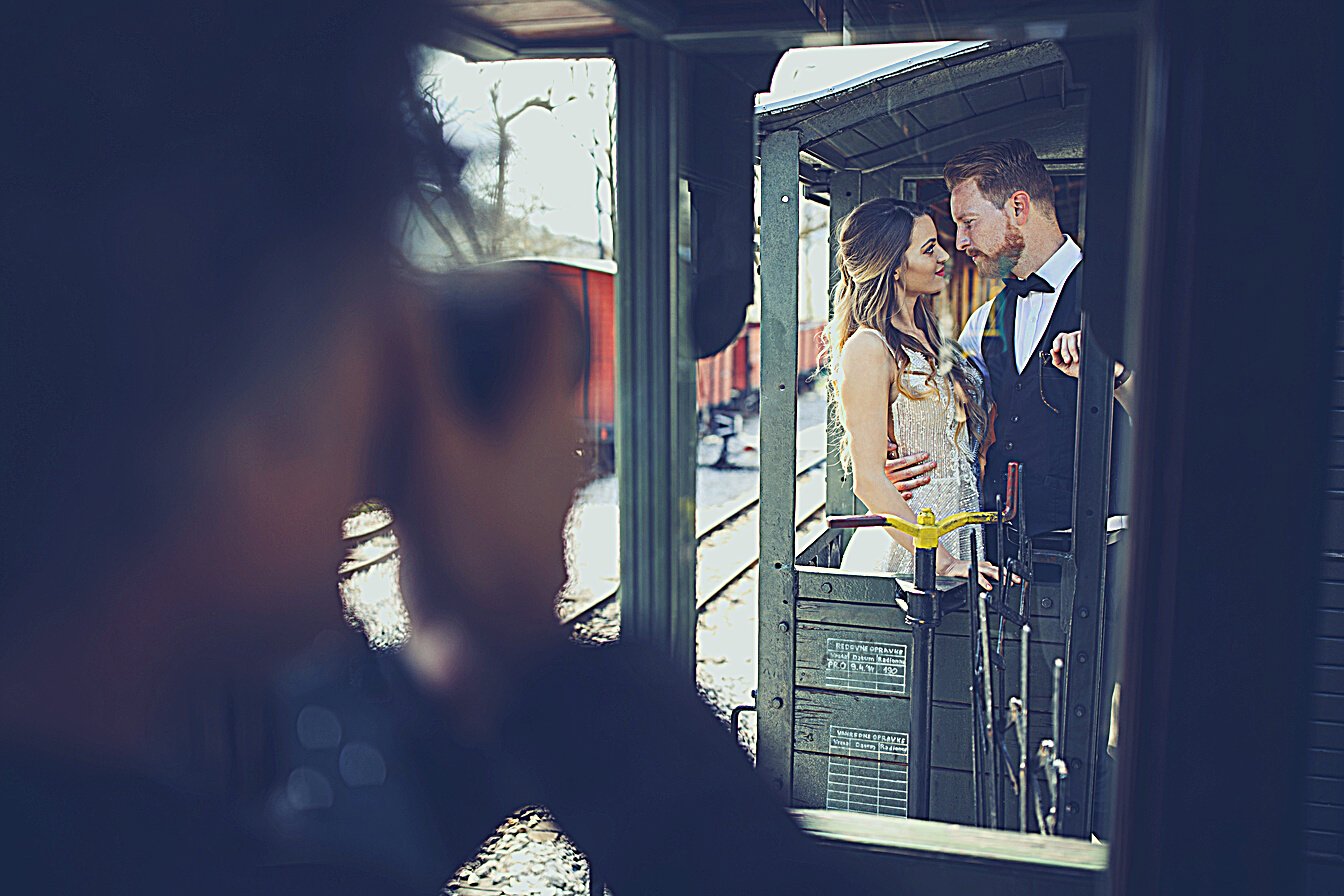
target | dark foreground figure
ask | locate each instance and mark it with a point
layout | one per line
(211, 351)
(634, 768)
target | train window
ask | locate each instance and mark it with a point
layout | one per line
(538, 189)
(955, 178)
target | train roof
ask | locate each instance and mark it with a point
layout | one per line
(911, 117)
(831, 96)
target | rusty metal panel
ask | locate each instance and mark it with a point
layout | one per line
(943, 110)
(886, 130)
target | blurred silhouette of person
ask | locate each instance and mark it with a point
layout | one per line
(484, 473)
(210, 353)
(197, 280)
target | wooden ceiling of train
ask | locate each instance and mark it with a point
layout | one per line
(501, 29)
(912, 119)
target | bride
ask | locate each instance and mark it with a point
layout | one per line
(898, 380)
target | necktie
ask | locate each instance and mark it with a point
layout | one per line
(1033, 283)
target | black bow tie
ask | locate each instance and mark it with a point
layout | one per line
(1033, 283)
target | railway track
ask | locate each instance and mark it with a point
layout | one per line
(729, 534)
(371, 541)
(711, 582)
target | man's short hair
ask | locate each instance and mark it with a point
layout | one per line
(1001, 168)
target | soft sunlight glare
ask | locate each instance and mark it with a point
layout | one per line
(815, 69)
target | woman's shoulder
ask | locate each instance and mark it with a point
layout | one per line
(866, 340)
(865, 354)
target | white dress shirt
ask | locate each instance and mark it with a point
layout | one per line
(1033, 310)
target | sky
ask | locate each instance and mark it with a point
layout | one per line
(552, 165)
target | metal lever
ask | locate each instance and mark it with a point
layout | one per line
(1014, 484)
(925, 530)
(735, 717)
(860, 521)
(972, 602)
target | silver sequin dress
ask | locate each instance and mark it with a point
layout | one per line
(929, 423)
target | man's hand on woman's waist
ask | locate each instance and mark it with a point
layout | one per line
(908, 472)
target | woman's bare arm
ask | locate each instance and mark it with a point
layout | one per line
(866, 368)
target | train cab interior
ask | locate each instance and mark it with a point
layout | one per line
(1155, 124)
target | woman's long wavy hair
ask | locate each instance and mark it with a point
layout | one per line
(874, 238)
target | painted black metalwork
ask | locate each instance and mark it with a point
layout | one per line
(924, 610)
(655, 410)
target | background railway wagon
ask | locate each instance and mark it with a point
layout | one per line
(715, 383)
(592, 286)
(732, 378)
(729, 380)
(747, 360)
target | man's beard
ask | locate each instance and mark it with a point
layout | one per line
(999, 266)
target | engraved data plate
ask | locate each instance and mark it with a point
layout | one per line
(865, 666)
(867, 771)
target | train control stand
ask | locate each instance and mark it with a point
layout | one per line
(925, 606)
(924, 611)
(989, 725)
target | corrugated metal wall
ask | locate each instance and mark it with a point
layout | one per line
(1325, 784)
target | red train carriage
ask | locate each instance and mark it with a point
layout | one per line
(714, 382)
(746, 353)
(592, 285)
(730, 380)
(742, 360)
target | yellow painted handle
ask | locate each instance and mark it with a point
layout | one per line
(927, 529)
(967, 518)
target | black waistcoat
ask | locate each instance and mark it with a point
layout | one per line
(1036, 413)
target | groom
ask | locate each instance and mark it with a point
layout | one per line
(1027, 339)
